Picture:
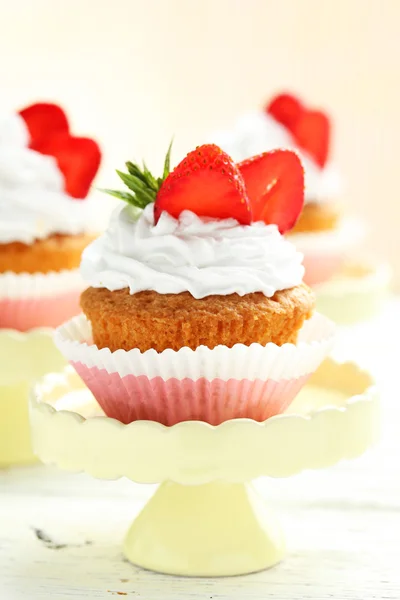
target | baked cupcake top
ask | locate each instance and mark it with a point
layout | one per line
(287, 123)
(210, 227)
(45, 174)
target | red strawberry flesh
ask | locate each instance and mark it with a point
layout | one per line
(311, 132)
(310, 128)
(43, 120)
(275, 187)
(208, 183)
(285, 109)
(78, 159)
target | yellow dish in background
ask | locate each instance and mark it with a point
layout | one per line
(357, 293)
(24, 357)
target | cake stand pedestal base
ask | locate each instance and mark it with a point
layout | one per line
(214, 529)
(205, 519)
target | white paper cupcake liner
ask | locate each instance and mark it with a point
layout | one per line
(37, 285)
(213, 385)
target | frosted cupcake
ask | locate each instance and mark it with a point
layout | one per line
(196, 308)
(45, 220)
(321, 233)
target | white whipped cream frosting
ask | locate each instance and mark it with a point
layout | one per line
(258, 132)
(193, 254)
(33, 204)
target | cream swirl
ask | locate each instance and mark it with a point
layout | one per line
(258, 132)
(197, 255)
(33, 204)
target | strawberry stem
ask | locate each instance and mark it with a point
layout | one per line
(142, 184)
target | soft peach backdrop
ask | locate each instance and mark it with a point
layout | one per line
(137, 71)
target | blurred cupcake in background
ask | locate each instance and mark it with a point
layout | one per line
(45, 217)
(323, 233)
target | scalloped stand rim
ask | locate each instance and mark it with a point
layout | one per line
(206, 519)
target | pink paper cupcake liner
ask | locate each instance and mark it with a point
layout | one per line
(169, 402)
(319, 269)
(255, 382)
(38, 300)
(326, 251)
(25, 314)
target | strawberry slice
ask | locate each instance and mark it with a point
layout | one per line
(275, 187)
(309, 128)
(44, 119)
(78, 159)
(311, 133)
(208, 183)
(285, 109)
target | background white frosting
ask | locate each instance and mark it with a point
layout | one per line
(33, 204)
(258, 132)
(201, 256)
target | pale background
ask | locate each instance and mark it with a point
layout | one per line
(135, 72)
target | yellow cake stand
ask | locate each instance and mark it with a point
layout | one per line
(206, 519)
(356, 293)
(24, 357)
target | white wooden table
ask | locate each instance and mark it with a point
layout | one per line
(60, 534)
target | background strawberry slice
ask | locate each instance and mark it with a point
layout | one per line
(275, 187)
(43, 120)
(78, 159)
(312, 132)
(309, 128)
(286, 109)
(208, 183)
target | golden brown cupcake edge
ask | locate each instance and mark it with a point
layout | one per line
(148, 320)
(317, 217)
(55, 253)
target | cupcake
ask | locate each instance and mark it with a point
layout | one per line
(196, 308)
(45, 219)
(321, 233)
